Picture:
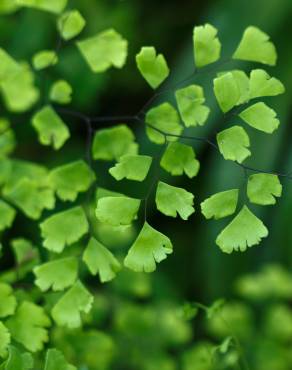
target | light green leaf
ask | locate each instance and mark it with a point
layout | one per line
(70, 179)
(171, 200)
(153, 67)
(117, 210)
(57, 275)
(44, 59)
(112, 143)
(8, 6)
(131, 167)
(180, 158)
(220, 205)
(262, 188)
(61, 92)
(104, 50)
(100, 260)
(50, 128)
(233, 143)
(7, 300)
(67, 311)
(15, 171)
(17, 360)
(55, 360)
(245, 230)
(17, 87)
(227, 92)
(163, 120)
(256, 47)
(7, 138)
(262, 84)
(28, 326)
(64, 228)
(190, 101)
(150, 247)
(261, 117)
(7, 215)
(4, 340)
(70, 24)
(31, 198)
(207, 47)
(242, 82)
(53, 6)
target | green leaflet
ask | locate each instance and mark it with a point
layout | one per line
(262, 188)
(61, 92)
(67, 311)
(24, 251)
(131, 167)
(44, 59)
(55, 360)
(70, 24)
(207, 47)
(58, 274)
(64, 228)
(70, 179)
(7, 138)
(261, 117)
(171, 200)
(17, 86)
(162, 121)
(30, 198)
(233, 143)
(278, 322)
(190, 101)
(262, 84)
(17, 360)
(7, 301)
(153, 67)
(220, 205)
(53, 6)
(180, 158)
(7, 215)
(256, 47)
(28, 326)
(4, 340)
(100, 260)
(117, 210)
(112, 143)
(245, 230)
(106, 49)
(50, 128)
(226, 90)
(150, 247)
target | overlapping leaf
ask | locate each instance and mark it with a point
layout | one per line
(227, 92)
(190, 101)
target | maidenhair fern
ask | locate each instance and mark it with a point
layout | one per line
(30, 188)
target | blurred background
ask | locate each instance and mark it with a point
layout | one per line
(197, 270)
